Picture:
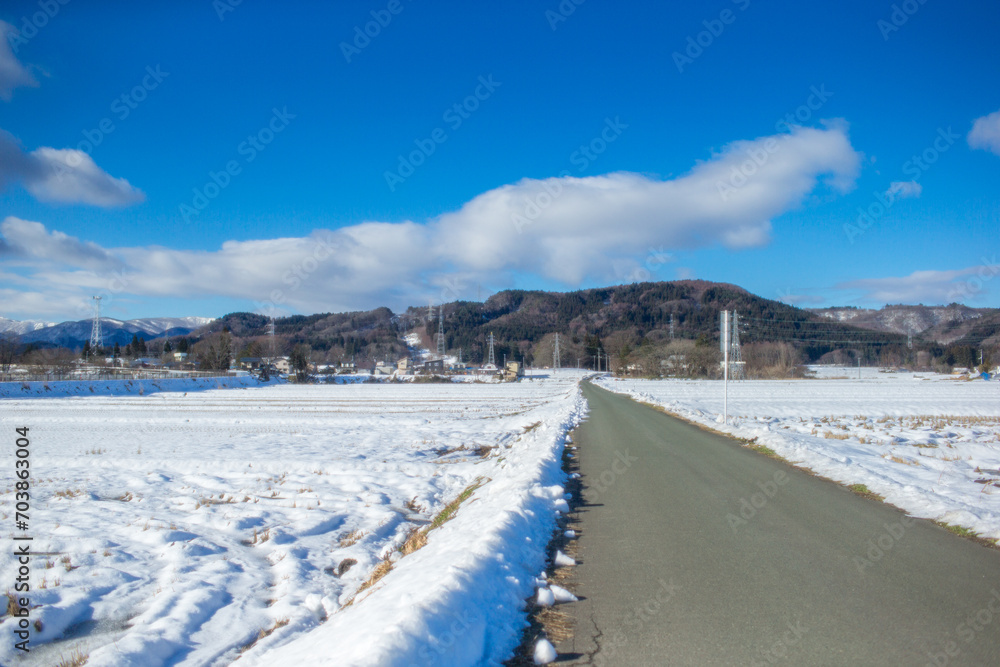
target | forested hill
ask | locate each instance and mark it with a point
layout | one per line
(616, 319)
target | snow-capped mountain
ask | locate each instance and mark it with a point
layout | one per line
(74, 334)
(22, 327)
(942, 324)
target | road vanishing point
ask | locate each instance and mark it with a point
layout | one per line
(694, 550)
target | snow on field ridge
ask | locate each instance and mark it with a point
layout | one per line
(220, 525)
(459, 600)
(929, 445)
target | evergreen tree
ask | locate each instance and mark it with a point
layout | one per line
(167, 348)
(299, 360)
(86, 350)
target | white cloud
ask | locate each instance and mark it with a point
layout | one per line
(985, 133)
(565, 230)
(904, 190)
(12, 73)
(71, 176)
(930, 287)
(26, 240)
(64, 176)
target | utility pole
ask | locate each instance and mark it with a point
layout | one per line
(671, 327)
(725, 368)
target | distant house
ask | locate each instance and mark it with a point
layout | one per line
(512, 371)
(282, 365)
(434, 366)
(404, 365)
(180, 356)
(146, 362)
(250, 363)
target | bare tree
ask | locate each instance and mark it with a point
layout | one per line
(216, 353)
(9, 342)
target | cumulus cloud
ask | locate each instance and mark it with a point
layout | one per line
(904, 190)
(26, 240)
(565, 230)
(569, 228)
(985, 133)
(64, 176)
(12, 73)
(930, 287)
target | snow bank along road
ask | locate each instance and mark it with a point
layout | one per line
(242, 524)
(694, 550)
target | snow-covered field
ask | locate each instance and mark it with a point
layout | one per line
(929, 444)
(239, 524)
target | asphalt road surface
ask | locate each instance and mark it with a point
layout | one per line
(694, 550)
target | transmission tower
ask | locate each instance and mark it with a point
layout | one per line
(440, 333)
(270, 336)
(492, 362)
(96, 337)
(737, 367)
(555, 354)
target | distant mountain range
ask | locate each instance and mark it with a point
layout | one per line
(75, 334)
(524, 322)
(941, 324)
(22, 327)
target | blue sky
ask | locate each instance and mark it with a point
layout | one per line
(199, 157)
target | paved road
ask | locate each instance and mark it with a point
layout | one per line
(695, 551)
